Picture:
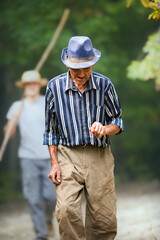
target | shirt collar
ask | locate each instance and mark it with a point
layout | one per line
(92, 83)
(69, 83)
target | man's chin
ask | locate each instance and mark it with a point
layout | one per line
(33, 94)
(80, 80)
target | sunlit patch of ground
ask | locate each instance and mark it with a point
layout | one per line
(138, 211)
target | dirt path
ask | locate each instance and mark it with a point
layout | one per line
(138, 216)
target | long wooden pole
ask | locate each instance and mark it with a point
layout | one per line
(39, 65)
(13, 122)
(11, 125)
(53, 40)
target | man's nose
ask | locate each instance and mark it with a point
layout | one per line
(81, 72)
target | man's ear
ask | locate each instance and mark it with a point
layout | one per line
(67, 67)
(92, 66)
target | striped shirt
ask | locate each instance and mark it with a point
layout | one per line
(69, 113)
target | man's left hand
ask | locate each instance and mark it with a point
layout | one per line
(97, 130)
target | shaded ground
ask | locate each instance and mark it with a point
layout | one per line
(138, 215)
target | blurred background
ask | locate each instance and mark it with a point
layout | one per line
(120, 33)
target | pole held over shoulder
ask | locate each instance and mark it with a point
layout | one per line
(53, 40)
(37, 68)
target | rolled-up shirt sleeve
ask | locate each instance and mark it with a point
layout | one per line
(50, 137)
(113, 108)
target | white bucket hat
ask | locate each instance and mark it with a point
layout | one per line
(31, 76)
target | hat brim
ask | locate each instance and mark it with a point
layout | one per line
(81, 64)
(43, 82)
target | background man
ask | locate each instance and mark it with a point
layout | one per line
(82, 111)
(35, 162)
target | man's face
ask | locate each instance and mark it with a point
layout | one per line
(31, 89)
(80, 75)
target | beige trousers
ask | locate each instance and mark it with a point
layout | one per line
(90, 169)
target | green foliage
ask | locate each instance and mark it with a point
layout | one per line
(10, 187)
(153, 4)
(149, 67)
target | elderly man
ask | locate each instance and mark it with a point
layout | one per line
(35, 160)
(82, 112)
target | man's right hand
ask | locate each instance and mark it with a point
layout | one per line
(55, 174)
